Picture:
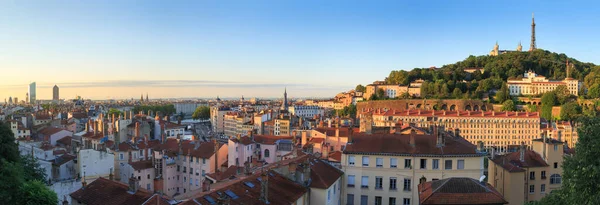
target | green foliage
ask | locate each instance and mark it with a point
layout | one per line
(360, 88)
(405, 95)
(456, 93)
(562, 94)
(397, 77)
(11, 178)
(201, 112)
(548, 101)
(9, 150)
(348, 111)
(570, 111)
(114, 111)
(594, 91)
(35, 192)
(32, 170)
(380, 94)
(163, 109)
(508, 105)
(581, 172)
(502, 95)
(589, 111)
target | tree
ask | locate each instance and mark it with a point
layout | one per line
(381, 94)
(508, 105)
(594, 91)
(114, 111)
(9, 150)
(360, 88)
(570, 111)
(548, 101)
(35, 192)
(32, 169)
(444, 91)
(456, 93)
(202, 112)
(502, 95)
(562, 94)
(581, 172)
(405, 95)
(11, 178)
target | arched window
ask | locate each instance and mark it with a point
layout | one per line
(266, 153)
(555, 179)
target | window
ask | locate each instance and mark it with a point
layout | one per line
(392, 201)
(555, 179)
(407, 164)
(460, 164)
(121, 156)
(364, 200)
(351, 160)
(531, 175)
(267, 154)
(350, 199)
(448, 164)
(184, 169)
(378, 183)
(406, 184)
(378, 200)
(435, 164)
(365, 161)
(328, 196)
(148, 176)
(379, 162)
(191, 159)
(406, 201)
(191, 170)
(393, 162)
(203, 161)
(350, 180)
(555, 147)
(178, 167)
(543, 174)
(531, 189)
(393, 183)
(423, 164)
(555, 165)
(543, 188)
(364, 182)
(148, 186)
(184, 158)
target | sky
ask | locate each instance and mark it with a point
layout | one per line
(121, 49)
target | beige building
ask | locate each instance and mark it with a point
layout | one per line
(387, 168)
(534, 84)
(562, 131)
(393, 91)
(217, 115)
(528, 175)
(495, 129)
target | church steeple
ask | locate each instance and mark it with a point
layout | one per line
(532, 47)
(519, 47)
(285, 101)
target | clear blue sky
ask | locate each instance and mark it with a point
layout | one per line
(119, 49)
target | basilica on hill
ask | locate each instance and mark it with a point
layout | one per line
(532, 47)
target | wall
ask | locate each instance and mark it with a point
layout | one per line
(95, 163)
(402, 105)
(319, 196)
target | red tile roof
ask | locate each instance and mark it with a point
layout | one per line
(330, 131)
(103, 191)
(79, 115)
(65, 140)
(205, 150)
(141, 165)
(322, 174)
(42, 116)
(156, 200)
(399, 144)
(443, 113)
(316, 140)
(230, 171)
(458, 191)
(50, 131)
(244, 140)
(337, 156)
(63, 159)
(512, 162)
(281, 191)
(269, 139)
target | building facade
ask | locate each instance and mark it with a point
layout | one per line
(387, 168)
(306, 111)
(534, 84)
(55, 94)
(32, 93)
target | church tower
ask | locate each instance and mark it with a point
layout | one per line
(496, 50)
(532, 47)
(519, 47)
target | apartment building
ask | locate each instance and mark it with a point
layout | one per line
(529, 174)
(392, 90)
(499, 130)
(386, 168)
(562, 131)
(534, 84)
(251, 148)
(217, 115)
(306, 111)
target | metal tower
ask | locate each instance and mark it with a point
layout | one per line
(532, 47)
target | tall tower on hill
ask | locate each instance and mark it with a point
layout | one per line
(532, 47)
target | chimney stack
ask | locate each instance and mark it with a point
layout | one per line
(329, 123)
(137, 129)
(133, 184)
(304, 137)
(440, 138)
(162, 133)
(264, 191)
(493, 113)
(412, 137)
(130, 114)
(522, 152)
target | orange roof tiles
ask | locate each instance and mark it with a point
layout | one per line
(141, 165)
(103, 191)
(322, 174)
(458, 191)
(512, 162)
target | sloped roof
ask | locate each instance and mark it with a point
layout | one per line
(103, 191)
(512, 162)
(269, 139)
(458, 191)
(141, 165)
(51, 130)
(322, 174)
(330, 131)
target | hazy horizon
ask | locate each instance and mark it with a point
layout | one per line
(198, 49)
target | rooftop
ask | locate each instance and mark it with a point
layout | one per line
(458, 191)
(103, 191)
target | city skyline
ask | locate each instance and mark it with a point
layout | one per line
(202, 49)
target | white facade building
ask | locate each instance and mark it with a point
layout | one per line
(306, 111)
(534, 84)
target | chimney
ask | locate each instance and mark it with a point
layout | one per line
(137, 129)
(493, 113)
(480, 146)
(180, 143)
(304, 137)
(329, 123)
(216, 154)
(544, 146)
(350, 136)
(264, 191)
(146, 147)
(440, 138)
(95, 127)
(130, 114)
(307, 173)
(83, 182)
(111, 176)
(412, 137)
(133, 185)
(65, 201)
(522, 152)
(87, 127)
(113, 119)
(162, 133)
(418, 112)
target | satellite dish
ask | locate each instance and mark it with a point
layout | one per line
(482, 178)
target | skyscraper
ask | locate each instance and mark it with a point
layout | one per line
(32, 93)
(55, 95)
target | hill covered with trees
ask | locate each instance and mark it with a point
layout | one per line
(451, 81)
